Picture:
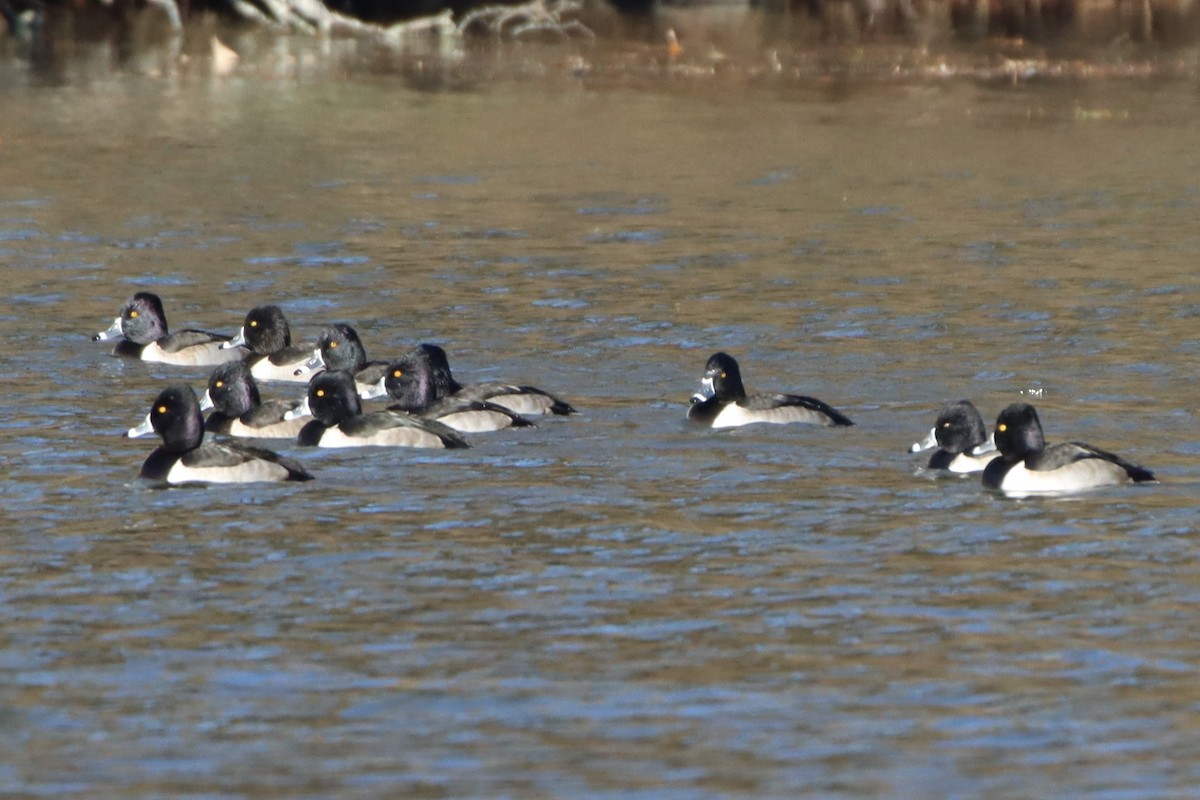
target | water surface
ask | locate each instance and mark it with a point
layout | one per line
(613, 605)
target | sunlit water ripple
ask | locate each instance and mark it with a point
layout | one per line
(616, 604)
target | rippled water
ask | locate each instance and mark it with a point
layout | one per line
(612, 605)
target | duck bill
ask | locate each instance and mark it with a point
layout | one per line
(987, 447)
(111, 332)
(237, 341)
(928, 442)
(378, 389)
(707, 390)
(302, 410)
(314, 363)
(143, 428)
(206, 402)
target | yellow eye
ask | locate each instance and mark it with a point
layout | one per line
(219, 384)
(332, 345)
(162, 409)
(398, 373)
(1002, 427)
(253, 323)
(133, 314)
(320, 392)
(722, 374)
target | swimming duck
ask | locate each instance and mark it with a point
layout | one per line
(961, 438)
(339, 348)
(722, 401)
(526, 400)
(338, 420)
(184, 456)
(266, 334)
(1026, 465)
(410, 382)
(240, 411)
(142, 326)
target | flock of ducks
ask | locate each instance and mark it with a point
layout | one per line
(1016, 458)
(429, 408)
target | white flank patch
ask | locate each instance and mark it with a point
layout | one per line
(965, 463)
(733, 416)
(392, 437)
(286, 429)
(1078, 476)
(264, 370)
(207, 354)
(476, 421)
(252, 471)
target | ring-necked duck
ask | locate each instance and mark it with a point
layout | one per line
(1026, 465)
(266, 334)
(410, 382)
(722, 401)
(338, 420)
(143, 328)
(184, 456)
(339, 348)
(240, 411)
(961, 438)
(526, 400)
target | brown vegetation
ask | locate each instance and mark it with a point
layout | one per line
(1015, 33)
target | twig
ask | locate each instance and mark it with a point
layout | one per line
(536, 15)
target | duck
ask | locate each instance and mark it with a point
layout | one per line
(272, 356)
(142, 329)
(340, 349)
(519, 399)
(338, 420)
(410, 382)
(722, 401)
(961, 438)
(184, 456)
(1027, 465)
(238, 409)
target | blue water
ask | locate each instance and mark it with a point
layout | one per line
(614, 605)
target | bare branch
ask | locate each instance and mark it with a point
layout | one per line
(536, 15)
